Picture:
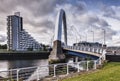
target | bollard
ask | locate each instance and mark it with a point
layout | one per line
(67, 69)
(95, 64)
(78, 67)
(99, 61)
(54, 71)
(87, 65)
(18, 74)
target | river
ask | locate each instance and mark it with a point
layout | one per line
(13, 64)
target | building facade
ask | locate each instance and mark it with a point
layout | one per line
(91, 44)
(18, 38)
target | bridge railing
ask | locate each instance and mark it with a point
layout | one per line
(52, 70)
(98, 50)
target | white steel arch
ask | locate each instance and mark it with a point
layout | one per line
(61, 21)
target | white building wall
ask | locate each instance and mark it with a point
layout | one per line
(18, 38)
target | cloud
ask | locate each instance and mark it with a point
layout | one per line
(81, 21)
(111, 11)
(39, 17)
(103, 23)
(35, 13)
(2, 38)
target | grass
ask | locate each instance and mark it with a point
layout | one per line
(110, 72)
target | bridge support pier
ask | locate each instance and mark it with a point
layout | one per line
(56, 53)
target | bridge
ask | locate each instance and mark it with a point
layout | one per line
(97, 53)
(94, 52)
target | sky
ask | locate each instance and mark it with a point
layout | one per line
(83, 16)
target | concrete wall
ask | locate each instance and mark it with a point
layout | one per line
(113, 58)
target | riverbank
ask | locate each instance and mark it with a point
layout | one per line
(23, 55)
(110, 72)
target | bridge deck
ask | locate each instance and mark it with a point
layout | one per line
(85, 52)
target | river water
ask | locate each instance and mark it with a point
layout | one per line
(13, 64)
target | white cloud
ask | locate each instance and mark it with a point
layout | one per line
(2, 38)
(112, 12)
(39, 19)
(81, 23)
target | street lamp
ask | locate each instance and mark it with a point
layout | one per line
(76, 38)
(74, 30)
(51, 41)
(93, 35)
(80, 38)
(104, 32)
(85, 36)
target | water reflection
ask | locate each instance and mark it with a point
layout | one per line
(13, 64)
(4, 65)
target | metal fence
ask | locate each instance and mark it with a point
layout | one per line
(52, 70)
(98, 50)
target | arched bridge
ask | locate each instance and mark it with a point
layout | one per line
(82, 51)
(85, 51)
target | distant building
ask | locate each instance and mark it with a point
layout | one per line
(91, 44)
(113, 50)
(18, 38)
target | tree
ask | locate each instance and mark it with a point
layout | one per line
(3, 46)
(30, 49)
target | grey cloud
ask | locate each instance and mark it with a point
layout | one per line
(7, 6)
(98, 29)
(48, 24)
(81, 7)
(42, 31)
(91, 19)
(97, 20)
(38, 7)
(42, 8)
(88, 19)
(110, 33)
(98, 33)
(40, 24)
(111, 11)
(103, 23)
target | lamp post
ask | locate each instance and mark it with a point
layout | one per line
(74, 29)
(51, 41)
(76, 39)
(93, 35)
(85, 36)
(80, 38)
(104, 32)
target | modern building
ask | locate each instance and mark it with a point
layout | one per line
(18, 38)
(91, 44)
(113, 50)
